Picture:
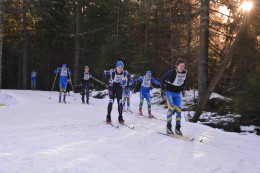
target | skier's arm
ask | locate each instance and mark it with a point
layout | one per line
(57, 70)
(164, 78)
(156, 82)
(140, 79)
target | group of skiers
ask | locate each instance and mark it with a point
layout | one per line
(172, 84)
(120, 85)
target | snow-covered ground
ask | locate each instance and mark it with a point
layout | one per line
(37, 134)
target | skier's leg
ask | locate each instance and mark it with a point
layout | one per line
(60, 92)
(119, 102)
(128, 100)
(177, 107)
(141, 103)
(148, 100)
(83, 93)
(170, 111)
(87, 94)
(111, 94)
(124, 100)
(64, 91)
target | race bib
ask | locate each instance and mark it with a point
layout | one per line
(179, 80)
(86, 76)
(63, 72)
(118, 78)
(146, 82)
(33, 75)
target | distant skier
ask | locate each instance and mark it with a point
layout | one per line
(127, 88)
(63, 73)
(85, 77)
(69, 87)
(145, 91)
(33, 80)
(174, 81)
(115, 89)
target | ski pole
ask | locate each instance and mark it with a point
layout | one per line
(98, 81)
(53, 83)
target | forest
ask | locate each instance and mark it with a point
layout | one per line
(219, 39)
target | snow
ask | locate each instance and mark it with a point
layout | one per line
(37, 134)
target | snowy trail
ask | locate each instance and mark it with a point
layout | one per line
(37, 134)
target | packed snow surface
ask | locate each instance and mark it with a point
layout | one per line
(38, 134)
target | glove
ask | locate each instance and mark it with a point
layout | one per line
(162, 94)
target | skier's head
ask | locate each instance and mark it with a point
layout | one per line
(86, 69)
(64, 66)
(119, 66)
(180, 64)
(148, 73)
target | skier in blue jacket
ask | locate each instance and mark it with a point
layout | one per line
(174, 83)
(128, 87)
(145, 91)
(63, 73)
(33, 80)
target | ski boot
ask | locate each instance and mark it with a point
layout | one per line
(83, 101)
(140, 112)
(169, 129)
(121, 120)
(108, 119)
(150, 115)
(178, 129)
(129, 110)
(64, 101)
(87, 101)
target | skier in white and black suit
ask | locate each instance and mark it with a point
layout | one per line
(85, 77)
(115, 88)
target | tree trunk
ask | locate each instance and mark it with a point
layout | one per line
(1, 40)
(220, 72)
(25, 45)
(203, 49)
(77, 44)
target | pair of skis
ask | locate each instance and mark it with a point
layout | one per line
(122, 124)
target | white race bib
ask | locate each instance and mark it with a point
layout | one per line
(179, 80)
(86, 76)
(64, 72)
(146, 82)
(118, 78)
(33, 75)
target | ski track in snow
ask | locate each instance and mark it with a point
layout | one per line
(37, 134)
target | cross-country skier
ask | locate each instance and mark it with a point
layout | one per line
(115, 89)
(63, 73)
(127, 88)
(33, 80)
(174, 82)
(85, 77)
(145, 91)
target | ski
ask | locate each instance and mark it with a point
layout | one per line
(177, 136)
(111, 124)
(126, 125)
(150, 117)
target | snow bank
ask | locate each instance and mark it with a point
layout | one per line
(6, 99)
